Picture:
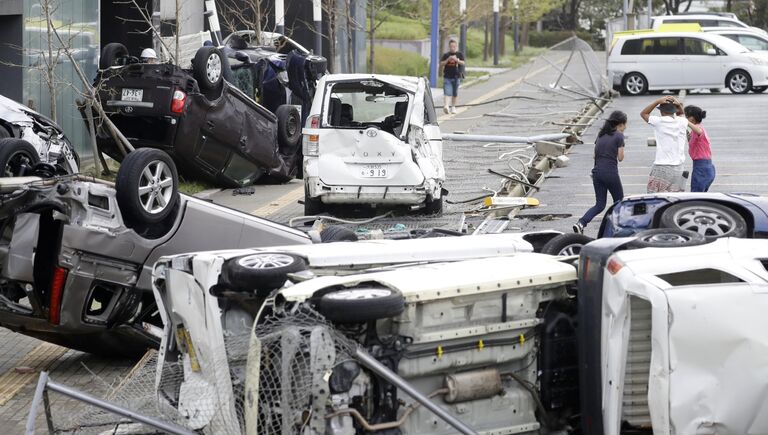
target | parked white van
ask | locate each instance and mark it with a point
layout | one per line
(684, 60)
(703, 20)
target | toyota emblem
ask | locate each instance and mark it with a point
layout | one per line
(371, 133)
(128, 109)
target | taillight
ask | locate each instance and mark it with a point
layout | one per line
(177, 104)
(57, 292)
(312, 144)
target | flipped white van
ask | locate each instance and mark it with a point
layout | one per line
(683, 60)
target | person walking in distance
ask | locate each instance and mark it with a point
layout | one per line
(609, 151)
(670, 130)
(703, 173)
(452, 63)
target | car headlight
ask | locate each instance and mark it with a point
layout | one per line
(759, 60)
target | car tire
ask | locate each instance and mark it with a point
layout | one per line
(359, 304)
(666, 238)
(634, 84)
(337, 233)
(738, 81)
(566, 244)
(759, 89)
(433, 206)
(111, 53)
(288, 128)
(5, 132)
(262, 271)
(17, 157)
(709, 219)
(208, 68)
(312, 206)
(147, 199)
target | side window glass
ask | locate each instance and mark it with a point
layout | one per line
(733, 37)
(666, 46)
(633, 46)
(694, 46)
(430, 117)
(753, 43)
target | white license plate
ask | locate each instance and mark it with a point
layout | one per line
(132, 94)
(374, 171)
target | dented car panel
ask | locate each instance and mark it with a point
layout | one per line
(384, 147)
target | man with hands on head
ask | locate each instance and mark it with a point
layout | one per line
(670, 131)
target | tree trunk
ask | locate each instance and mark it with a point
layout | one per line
(50, 64)
(372, 36)
(504, 25)
(350, 24)
(526, 30)
(331, 9)
(485, 41)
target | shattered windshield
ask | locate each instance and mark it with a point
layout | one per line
(367, 103)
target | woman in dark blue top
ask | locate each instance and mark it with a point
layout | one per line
(609, 151)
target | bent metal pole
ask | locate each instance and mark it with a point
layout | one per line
(383, 371)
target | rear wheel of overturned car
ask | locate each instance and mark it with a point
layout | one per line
(261, 271)
(666, 238)
(360, 304)
(566, 244)
(634, 84)
(111, 53)
(147, 187)
(738, 82)
(288, 127)
(337, 233)
(17, 157)
(208, 68)
(709, 219)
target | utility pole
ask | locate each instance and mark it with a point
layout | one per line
(624, 11)
(496, 32)
(463, 28)
(317, 16)
(435, 43)
(280, 17)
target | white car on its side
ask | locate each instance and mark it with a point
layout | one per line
(684, 60)
(373, 140)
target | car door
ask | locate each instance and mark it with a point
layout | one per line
(705, 64)
(660, 61)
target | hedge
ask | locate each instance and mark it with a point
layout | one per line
(549, 38)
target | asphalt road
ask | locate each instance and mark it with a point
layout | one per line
(736, 125)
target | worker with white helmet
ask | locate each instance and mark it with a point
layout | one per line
(148, 55)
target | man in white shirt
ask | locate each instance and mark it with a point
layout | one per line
(670, 132)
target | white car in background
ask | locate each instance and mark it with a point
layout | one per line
(684, 60)
(703, 20)
(373, 140)
(754, 41)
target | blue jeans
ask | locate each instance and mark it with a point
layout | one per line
(451, 87)
(603, 183)
(702, 176)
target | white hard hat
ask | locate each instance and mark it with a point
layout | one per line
(148, 53)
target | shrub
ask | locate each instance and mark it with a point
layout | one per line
(394, 27)
(399, 62)
(549, 38)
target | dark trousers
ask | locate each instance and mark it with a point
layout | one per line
(702, 176)
(603, 182)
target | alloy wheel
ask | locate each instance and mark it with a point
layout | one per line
(635, 84)
(213, 67)
(705, 221)
(266, 261)
(739, 83)
(156, 187)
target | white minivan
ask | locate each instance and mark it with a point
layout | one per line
(683, 60)
(373, 140)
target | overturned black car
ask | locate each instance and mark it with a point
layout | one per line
(233, 119)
